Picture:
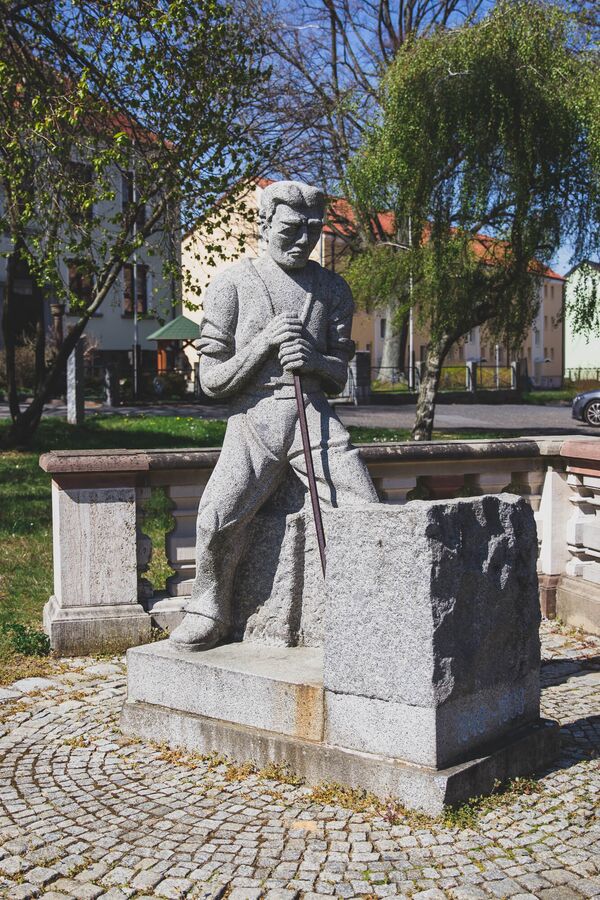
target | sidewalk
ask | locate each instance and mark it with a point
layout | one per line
(85, 813)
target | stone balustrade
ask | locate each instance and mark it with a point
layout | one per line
(102, 596)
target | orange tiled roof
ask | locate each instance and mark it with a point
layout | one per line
(484, 246)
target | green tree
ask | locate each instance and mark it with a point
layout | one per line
(89, 93)
(488, 129)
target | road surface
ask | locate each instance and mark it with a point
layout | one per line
(455, 417)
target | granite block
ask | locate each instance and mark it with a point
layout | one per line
(431, 606)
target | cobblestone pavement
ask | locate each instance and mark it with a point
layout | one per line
(85, 813)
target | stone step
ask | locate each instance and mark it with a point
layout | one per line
(274, 688)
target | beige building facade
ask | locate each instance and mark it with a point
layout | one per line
(542, 349)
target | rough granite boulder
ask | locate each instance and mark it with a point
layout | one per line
(431, 619)
(279, 595)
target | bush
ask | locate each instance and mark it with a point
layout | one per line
(24, 364)
(171, 386)
(27, 640)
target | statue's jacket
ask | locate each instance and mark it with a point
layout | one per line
(237, 308)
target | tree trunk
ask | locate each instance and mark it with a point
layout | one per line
(402, 347)
(391, 361)
(40, 337)
(8, 336)
(26, 421)
(428, 388)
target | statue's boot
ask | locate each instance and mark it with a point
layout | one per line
(207, 617)
(208, 612)
(199, 632)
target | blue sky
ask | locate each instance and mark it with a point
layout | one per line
(561, 263)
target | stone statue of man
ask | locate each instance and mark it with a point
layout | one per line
(265, 319)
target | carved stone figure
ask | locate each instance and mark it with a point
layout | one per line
(264, 320)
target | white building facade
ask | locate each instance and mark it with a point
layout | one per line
(582, 349)
(110, 332)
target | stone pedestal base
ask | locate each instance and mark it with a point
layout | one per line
(79, 630)
(166, 612)
(267, 704)
(578, 603)
(548, 585)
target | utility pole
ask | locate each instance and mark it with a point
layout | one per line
(411, 327)
(134, 291)
(497, 361)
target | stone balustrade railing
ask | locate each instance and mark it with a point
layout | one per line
(102, 596)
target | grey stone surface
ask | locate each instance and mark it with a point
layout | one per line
(449, 636)
(7, 694)
(578, 604)
(95, 629)
(75, 386)
(272, 688)
(278, 589)
(95, 556)
(95, 603)
(27, 685)
(265, 320)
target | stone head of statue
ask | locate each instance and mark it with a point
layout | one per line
(291, 220)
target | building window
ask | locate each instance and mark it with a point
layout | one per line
(529, 354)
(82, 176)
(537, 337)
(552, 353)
(545, 322)
(141, 289)
(382, 328)
(80, 282)
(128, 199)
(545, 353)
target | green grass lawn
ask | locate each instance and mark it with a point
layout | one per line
(543, 398)
(26, 516)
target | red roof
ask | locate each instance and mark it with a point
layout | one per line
(485, 247)
(491, 249)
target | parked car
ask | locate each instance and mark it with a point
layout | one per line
(586, 407)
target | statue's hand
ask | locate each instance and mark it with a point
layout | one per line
(297, 355)
(282, 329)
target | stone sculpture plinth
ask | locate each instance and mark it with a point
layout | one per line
(427, 685)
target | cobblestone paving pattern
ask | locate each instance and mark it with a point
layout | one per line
(85, 813)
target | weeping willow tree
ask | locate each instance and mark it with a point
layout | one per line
(488, 139)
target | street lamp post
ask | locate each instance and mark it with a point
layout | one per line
(134, 292)
(411, 337)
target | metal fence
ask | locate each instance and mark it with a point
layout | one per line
(494, 378)
(391, 379)
(583, 374)
(466, 377)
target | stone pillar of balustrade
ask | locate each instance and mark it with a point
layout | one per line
(578, 591)
(98, 554)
